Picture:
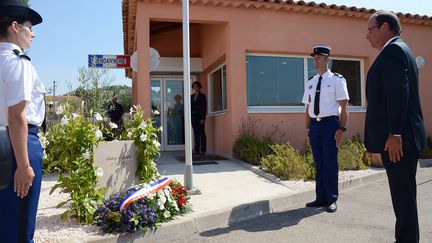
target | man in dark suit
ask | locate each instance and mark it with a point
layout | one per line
(394, 123)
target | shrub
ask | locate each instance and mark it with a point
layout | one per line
(251, 145)
(251, 149)
(427, 153)
(145, 137)
(286, 163)
(309, 160)
(68, 147)
(353, 156)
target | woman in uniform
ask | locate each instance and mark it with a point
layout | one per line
(22, 110)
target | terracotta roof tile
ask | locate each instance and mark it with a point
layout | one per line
(129, 12)
(340, 7)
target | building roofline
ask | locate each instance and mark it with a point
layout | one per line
(129, 12)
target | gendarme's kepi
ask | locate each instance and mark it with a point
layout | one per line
(18, 9)
(321, 50)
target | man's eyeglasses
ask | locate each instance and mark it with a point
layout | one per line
(371, 28)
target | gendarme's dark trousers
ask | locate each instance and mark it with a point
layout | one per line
(18, 216)
(403, 189)
(199, 135)
(325, 152)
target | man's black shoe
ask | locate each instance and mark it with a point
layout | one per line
(314, 204)
(332, 208)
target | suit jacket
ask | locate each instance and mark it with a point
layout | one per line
(393, 102)
(199, 107)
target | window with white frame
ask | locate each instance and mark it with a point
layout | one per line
(279, 81)
(217, 90)
(275, 81)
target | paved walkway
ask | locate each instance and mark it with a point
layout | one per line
(231, 191)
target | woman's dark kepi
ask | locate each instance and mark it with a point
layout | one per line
(18, 9)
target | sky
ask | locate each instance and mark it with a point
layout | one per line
(72, 30)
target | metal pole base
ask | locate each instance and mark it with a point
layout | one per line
(194, 191)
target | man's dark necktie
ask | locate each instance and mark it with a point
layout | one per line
(317, 97)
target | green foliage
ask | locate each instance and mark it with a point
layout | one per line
(309, 160)
(67, 146)
(286, 163)
(427, 153)
(96, 92)
(93, 82)
(123, 94)
(250, 146)
(353, 156)
(145, 139)
(69, 151)
(251, 149)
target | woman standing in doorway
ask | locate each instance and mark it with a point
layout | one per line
(22, 110)
(198, 113)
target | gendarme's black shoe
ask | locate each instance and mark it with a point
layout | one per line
(332, 208)
(314, 204)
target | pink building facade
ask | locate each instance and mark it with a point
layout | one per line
(252, 58)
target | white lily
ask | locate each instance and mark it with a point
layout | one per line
(143, 125)
(99, 172)
(113, 125)
(143, 137)
(98, 134)
(64, 121)
(86, 155)
(98, 116)
(59, 110)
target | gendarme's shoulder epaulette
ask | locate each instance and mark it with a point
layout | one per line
(338, 75)
(21, 55)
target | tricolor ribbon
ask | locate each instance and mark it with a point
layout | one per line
(146, 190)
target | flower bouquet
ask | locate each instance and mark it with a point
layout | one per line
(142, 207)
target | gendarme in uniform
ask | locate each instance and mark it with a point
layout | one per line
(323, 94)
(19, 83)
(333, 88)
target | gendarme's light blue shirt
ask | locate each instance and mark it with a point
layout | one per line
(19, 81)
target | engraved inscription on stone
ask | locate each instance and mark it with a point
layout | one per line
(118, 162)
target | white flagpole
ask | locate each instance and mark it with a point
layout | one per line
(188, 173)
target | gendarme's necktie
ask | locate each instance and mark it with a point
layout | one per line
(317, 97)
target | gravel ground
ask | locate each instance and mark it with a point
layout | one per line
(50, 228)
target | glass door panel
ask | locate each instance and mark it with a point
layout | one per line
(174, 114)
(156, 105)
